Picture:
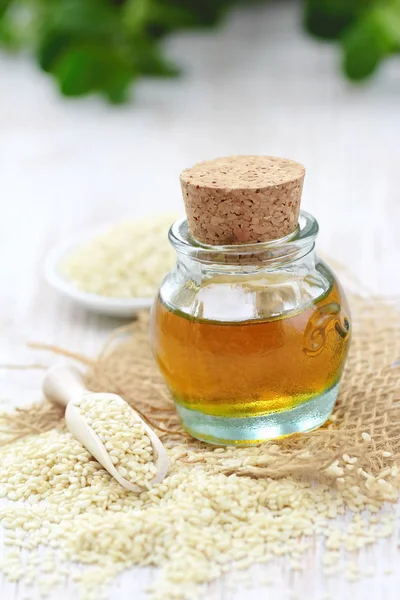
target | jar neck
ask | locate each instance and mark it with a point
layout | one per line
(291, 251)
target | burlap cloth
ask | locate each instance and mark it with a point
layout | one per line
(369, 400)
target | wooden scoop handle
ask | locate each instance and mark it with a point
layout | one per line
(63, 384)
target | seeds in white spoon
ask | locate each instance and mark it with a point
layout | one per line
(124, 438)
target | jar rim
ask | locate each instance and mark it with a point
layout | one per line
(291, 247)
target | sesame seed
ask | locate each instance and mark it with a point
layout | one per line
(133, 459)
(110, 265)
(194, 525)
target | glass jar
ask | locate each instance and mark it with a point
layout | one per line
(251, 339)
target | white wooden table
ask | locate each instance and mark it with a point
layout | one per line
(258, 86)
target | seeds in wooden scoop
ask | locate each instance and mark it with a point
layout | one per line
(123, 436)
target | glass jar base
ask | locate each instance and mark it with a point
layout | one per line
(244, 431)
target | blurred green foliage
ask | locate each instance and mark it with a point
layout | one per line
(104, 45)
(369, 30)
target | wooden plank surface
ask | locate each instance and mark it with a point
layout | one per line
(257, 86)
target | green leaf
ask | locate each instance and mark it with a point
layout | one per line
(330, 18)
(51, 47)
(4, 4)
(172, 17)
(85, 69)
(90, 18)
(388, 16)
(207, 12)
(83, 46)
(365, 46)
(146, 57)
(135, 15)
(157, 17)
(118, 85)
(73, 23)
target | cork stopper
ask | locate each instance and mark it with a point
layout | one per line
(242, 199)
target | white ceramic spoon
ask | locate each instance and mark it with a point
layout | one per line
(64, 385)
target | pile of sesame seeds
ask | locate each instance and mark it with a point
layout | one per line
(129, 259)
(196, 525)
(124, 437)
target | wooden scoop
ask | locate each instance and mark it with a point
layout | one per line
(64, 385)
